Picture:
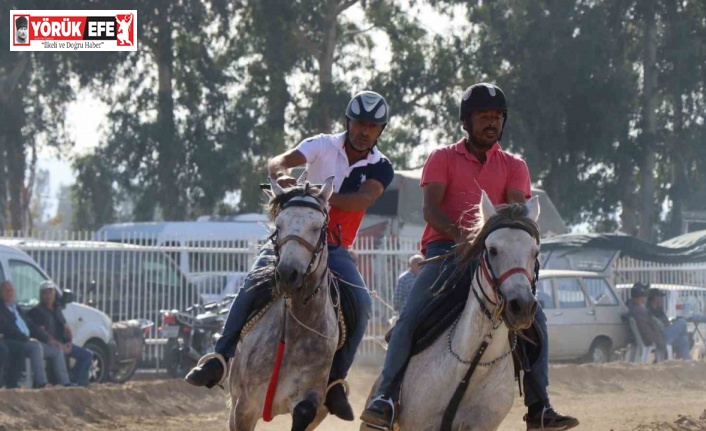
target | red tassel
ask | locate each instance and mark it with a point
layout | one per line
(272, 388)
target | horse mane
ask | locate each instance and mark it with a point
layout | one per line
(515, 215)
(276, 203)
(265, 275)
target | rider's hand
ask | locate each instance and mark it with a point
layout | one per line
(286, 181)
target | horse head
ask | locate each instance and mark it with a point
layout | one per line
(300, 216)
(508, 259)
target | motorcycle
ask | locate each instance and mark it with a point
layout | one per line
(192, 333)
(130, 340)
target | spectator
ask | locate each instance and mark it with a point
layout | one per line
(4, 360)
(51, 326)
(649, 331)
(674, 333)
(405, 283)
(16, 333)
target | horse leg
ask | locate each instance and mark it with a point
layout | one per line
(242, 418)
(305, 411)
(320, 416)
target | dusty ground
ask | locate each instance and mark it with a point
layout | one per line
(610, 397)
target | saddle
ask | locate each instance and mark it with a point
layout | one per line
(446, 307)
(343, 299)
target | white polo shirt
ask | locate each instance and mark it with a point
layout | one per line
(326, 156)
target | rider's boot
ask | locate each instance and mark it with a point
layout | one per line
(337, 402)
(380, 413)
(210, 371)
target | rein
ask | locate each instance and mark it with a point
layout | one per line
(494, 316)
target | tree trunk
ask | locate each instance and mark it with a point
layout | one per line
(169, 196)
(647, 214)
(325, 59)
(16, 177)
(679, 190)
(3, 183)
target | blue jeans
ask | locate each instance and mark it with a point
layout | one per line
(341, 263)
(677, 336)
(430, 279)
(58, 361)
(83, 358)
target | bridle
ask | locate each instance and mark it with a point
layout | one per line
(316, 249)
(495, 282)
(495, 317)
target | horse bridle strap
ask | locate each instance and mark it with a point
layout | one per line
(313, 249)
(452, 408)
(307, 245)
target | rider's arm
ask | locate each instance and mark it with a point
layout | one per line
(514, 196)
(433, 196)
(279, 165)
(518, 187)
(361, 200)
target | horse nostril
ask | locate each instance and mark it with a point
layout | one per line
(293, 276)
(514, 307)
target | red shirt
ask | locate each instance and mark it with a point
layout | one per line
(465, 176)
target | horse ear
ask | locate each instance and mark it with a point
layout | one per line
(327, 189)
(533, 208)
(276, 189)
(487, 209)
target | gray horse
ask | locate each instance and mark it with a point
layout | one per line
(302, 278)
(507, 239)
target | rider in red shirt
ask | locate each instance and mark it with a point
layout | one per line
(452, 179)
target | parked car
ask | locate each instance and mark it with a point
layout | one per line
(585, 315)
(91, 328)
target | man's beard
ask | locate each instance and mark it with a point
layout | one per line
(482, 145)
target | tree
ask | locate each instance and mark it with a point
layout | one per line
(93, 194)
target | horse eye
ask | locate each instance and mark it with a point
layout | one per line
(493, 251)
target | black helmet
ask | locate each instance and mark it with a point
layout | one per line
(368, 106)
(482, 96)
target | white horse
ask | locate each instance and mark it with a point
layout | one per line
(506, 245)
(311, 335)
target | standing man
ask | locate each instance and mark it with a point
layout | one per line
(51, 326)
(361, 173)
(405, 283)
(453, 178)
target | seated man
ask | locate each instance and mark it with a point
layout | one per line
(52, 330)
(675, 333)
(361, 174)
(637, 307)
(15, 328)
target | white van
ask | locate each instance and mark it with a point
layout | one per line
(91, 328)
(198, 246)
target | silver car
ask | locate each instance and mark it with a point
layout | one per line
(584, 315)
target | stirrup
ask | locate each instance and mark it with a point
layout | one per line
(342, 382)
(221, 359)
(389, 401)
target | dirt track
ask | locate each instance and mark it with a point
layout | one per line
(610, 397)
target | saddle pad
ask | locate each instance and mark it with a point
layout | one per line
(440, 314)
(436, 317)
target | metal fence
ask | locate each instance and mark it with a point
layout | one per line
(128, 280)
